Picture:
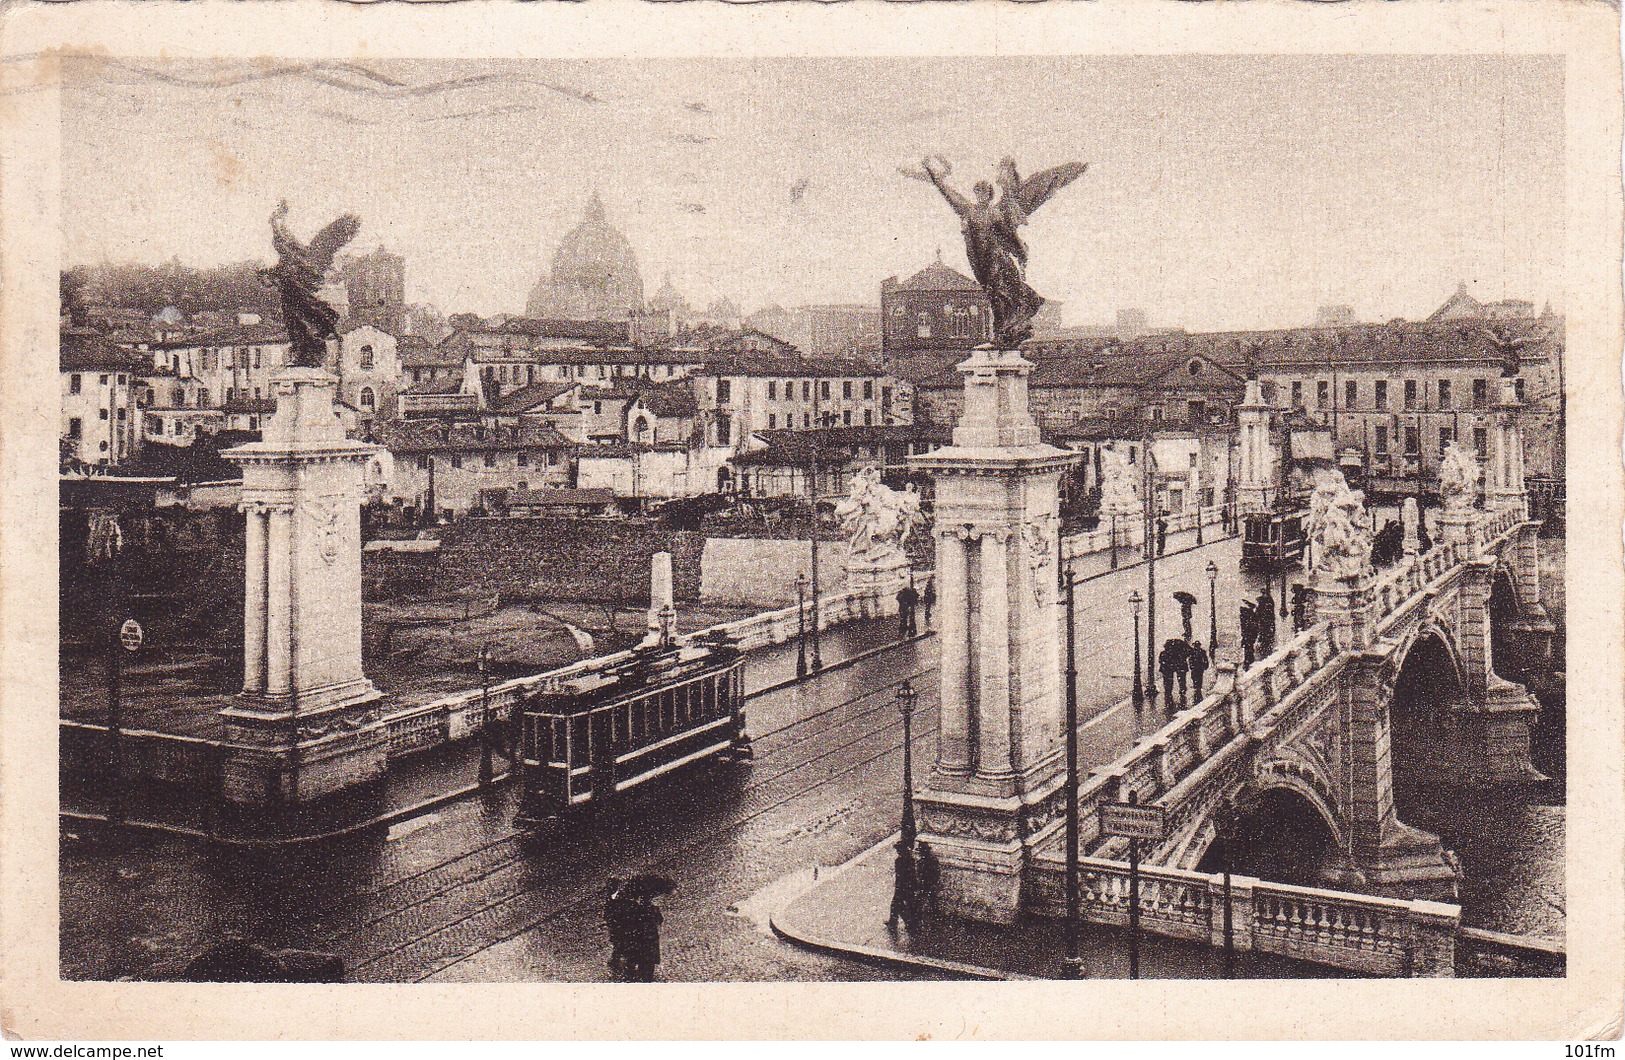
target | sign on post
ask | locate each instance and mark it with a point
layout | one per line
(131, 634)
(1133, 822)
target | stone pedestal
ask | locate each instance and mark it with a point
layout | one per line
(1504, 487)
(660, 596)
(306, 723)
(877, 575)
(999, 744)
(1494, 735)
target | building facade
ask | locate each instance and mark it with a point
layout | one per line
(101, 420)
(934, 310)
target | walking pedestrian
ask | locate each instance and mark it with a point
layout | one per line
(1300, 608)
(1196, 661)
(1171, 661)
(644, 943)
(929, 599)
(1266, 623)
(908, 598)
(928, 874)
(1162, 534)
(1249, 632)
(903, 889)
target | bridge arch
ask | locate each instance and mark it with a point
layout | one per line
(1424, 711)
(1285, 832)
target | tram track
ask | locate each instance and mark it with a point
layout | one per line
(513, 914)
(487, 861)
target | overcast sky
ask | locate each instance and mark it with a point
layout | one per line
(1222, 192)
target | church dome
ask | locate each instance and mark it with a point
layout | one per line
(594, 274)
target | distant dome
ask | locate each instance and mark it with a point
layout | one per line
(594, 275)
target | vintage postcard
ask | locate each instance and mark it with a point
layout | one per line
(877, 520)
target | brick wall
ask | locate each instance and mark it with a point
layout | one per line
(587, 559)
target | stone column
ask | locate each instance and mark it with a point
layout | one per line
(254, 589)
(993, 761)
(1253, 485)
(953, 638)
(995, 793)
(311, 726)
(660, 593)
(279, 602)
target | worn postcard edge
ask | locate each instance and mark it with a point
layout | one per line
(34, 1003)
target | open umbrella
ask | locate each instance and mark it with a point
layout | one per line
(648, 886)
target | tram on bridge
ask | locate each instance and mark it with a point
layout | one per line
(1272, 541)
(667, 707)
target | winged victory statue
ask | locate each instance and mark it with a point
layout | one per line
(998, 256)
(298, 276)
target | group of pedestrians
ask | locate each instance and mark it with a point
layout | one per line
(1184, 666)
(1257, 628)
(914, 894)
(909, 602)
(633, 921)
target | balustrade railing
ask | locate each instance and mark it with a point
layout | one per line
(1354, 932)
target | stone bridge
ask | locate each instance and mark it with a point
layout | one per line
(1395, 667)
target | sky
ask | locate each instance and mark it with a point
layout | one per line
(1222, 192)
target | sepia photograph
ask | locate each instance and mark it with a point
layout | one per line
(802, 518)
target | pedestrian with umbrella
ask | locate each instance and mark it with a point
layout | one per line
(1249, 632)
(1187, 605)
(643, 924)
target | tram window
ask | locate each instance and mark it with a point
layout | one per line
(580, 749)
(668, 720)
(558, 752)
(635, 709)
(708, 697)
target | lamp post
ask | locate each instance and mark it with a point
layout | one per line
(1150, 570)
(801, 625)
(1072, 966)
(1212, 607)
(1139, 687)
(1114, 541)
(812, 496)
(487, 767)
(905, 706)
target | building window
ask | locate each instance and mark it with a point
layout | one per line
(74, 383)
(1380, 399)
(256, 356)
(490, 460)
(823, 389)
(846, 390)
(1198, 409)
(103, 414)
(1413, 441)
(724, 391)
(104, 380)
(368, 400)
(806, 390)
(772, 421)
(1444, 393)
(1446, 436)
(1481, 393)
(423, 462)
(1410, 393)
(772, 390)
(1481, 442)
(1517, 387)
(521, 458)
(366, 357)
(597, 408)
(121, 415)
(922, 329)
(806, 419)
(724, 431)
(1297, 394)
(1351, 393)
(846, 417)
(552, 458)
(1323, 394)
(457, 460)
(1380, 446)
(868, 417)
(75, 427)
(868, 389)
(885, 397)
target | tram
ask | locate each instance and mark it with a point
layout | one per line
(588, 738)
(1272, 541)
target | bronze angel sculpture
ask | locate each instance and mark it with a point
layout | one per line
(298, 276)
(998, 257)
(1509, 347)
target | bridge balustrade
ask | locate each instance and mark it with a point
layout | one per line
(1355, 932)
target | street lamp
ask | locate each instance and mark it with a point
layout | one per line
(1212, 607)
(1072, 966)
(1134, 601)
(1227, 843)
(801, 625)
(905, 706)
(487, 767)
